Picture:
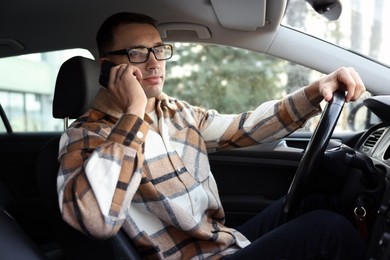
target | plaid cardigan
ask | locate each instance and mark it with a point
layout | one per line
(152, 177)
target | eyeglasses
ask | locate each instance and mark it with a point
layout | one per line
(141, 54)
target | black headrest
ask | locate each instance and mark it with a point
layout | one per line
(76, 86)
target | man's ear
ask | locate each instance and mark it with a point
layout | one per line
(101, 61)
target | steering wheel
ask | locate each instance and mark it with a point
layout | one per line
(314, 152)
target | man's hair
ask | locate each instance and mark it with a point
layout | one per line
(105, 34)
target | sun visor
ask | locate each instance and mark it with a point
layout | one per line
(245, 15)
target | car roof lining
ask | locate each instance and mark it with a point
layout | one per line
(52, 25)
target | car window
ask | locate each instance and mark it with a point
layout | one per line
(27, 87)
(233, 80)
(230, 80)
(362, 26)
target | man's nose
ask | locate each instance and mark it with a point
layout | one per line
(152, 62)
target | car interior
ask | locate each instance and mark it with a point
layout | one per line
(353, 165)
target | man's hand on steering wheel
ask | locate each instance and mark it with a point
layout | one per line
(341, 86)
(346, 79)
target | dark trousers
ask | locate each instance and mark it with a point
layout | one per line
(315, 232)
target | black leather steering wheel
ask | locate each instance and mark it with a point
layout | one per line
(314, 152)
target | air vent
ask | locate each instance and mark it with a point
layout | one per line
(372, 140)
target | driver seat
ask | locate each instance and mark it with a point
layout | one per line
(76, 86)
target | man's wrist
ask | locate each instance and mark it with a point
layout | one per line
(313, 94)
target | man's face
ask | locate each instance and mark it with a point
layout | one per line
(145, 35)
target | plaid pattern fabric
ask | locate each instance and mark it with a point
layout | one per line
(152, 177)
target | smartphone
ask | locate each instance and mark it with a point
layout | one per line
(105, 73)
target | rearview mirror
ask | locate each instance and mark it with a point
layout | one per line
(331, 9)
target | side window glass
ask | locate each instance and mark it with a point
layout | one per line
(27, 86)
(233, 80)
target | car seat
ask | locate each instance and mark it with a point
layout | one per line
(76, 86)
(14, 242)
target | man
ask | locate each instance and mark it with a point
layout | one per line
(138, 161)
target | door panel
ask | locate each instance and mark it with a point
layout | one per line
(251, 178)
(18, 175)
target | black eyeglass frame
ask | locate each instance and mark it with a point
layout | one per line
(151, 49)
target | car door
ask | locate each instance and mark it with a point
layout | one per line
(18, 179)
(249, 179)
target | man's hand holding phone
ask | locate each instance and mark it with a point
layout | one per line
(105, 73)
(123, 83)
